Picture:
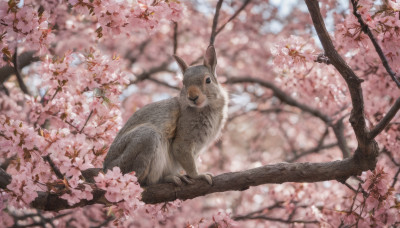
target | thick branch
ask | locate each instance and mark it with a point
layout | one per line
(337, 128)
(281, 95)
(234, 181)
(357, 119)
(366, 30)
(239, 181)
(385, 120)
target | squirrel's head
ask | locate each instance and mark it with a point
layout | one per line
(200, 84)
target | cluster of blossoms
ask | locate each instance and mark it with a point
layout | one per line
(116, 17)
(375, 204)
(295, 59)
(22, 24)
(220, 219)
(384, 23)
(34, 24)
(73, 124)
(22, 141)
(69, 125)
(293, 53)
(124, 190)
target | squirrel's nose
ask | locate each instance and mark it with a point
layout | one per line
(194, 99)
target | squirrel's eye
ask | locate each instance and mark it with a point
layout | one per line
(208, 80)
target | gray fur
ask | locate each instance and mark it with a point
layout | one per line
(163, 137)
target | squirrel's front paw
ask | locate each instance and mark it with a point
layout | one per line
(205, 176)
(178, 179)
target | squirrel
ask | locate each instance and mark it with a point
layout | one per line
(162, 138)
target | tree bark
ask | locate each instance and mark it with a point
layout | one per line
(233, 181)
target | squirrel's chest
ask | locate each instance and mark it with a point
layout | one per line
(206, 128)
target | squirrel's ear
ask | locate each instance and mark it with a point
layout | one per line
(181, 63)
(210, 58)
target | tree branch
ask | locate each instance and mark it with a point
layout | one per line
(277, 204)
(390, 155)
(21, 82)
(338, 130)
(281, 95)
(7, 161)
(53, 167)
(87, 119)
(312, 150)
(385, 120)
(245, 3)
(367, 148)
(147, 74)
(234, 181)
(366, 30)
(287, 221)
(164, 84)
(5, 179)
(395, 178)
(24, 59)
(175, 37)
(215, 22)
(263, 111)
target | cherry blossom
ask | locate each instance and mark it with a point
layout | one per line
(88, 65)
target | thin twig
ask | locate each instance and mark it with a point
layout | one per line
(350, 187)
(196, 60)
(215, 22)
(389, 154)
(277, 204)
(366, 30)
(281, 95)
(263, 111)
(18, 75)
(164, 84)
(355, 197)
(105, 223)
(24, 59)
(147, 74)
(312, 150)
(87, 119)
(338, 130)
(7, 162)
(287, 221)
(396, 176)
(385, 120)
(73, 126)
(245, 3)
(323, 137)
(53, 167)
(3, 88)
(175, 37)
(287, 138)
